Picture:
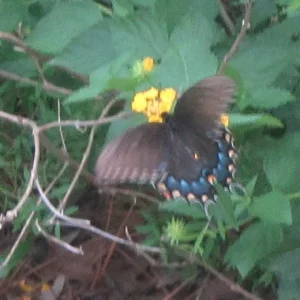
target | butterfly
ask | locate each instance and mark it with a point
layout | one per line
(185, 155)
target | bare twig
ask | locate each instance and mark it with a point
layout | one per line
(33, 174)
(56, 213)
(85, 156)
(60, 129)
(57, 241)
(88, 123)
(239, 38)
(46, 86)
(85, 224)
(225, 17)
(135, 246)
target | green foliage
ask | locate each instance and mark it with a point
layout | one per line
(255, 243)
(92, 49)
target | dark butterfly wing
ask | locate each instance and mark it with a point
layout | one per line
(190, 153)
(138, 156)
(146, 153)
(200, 107)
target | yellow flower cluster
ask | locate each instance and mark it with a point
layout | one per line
(153, 103)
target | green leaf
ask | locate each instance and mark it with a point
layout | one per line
(66, 21)
(262, 10)
(281, 163)
(23, 67)
(100, 79)
(172, 14)
(86, 93)
(12, 13)
(286, 267)
(273, 207)
(189, 61)
(254, 244)
(255, 120)
(288, 289)
(181, 207)
(293, 6)
(91, 50)
(269, 98)
(261, 70)
(122, 7)
(223, 211)
(142, 33)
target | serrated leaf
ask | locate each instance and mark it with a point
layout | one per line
(12, 13)
(255, 243)
(273, 207)
(181, 207)
(255, 120)
(267, 98)
(66, 21)
(281, 163)
(189, 61)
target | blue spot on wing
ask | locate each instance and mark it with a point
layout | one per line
(185, 188)
(223, 158)
(221, 172)
(200, 187)
(223, 146)
(172, 183)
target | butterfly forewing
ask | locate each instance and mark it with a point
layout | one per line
(199, 109)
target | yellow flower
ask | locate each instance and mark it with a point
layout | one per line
(225, 120)
(153, 103)
(139, 103)
(148, 64)
(151, 93)
(167, 95)
(155, 119)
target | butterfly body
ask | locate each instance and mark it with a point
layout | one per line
(183, 156)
